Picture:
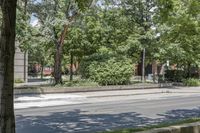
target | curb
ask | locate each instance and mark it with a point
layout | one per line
(49, 89)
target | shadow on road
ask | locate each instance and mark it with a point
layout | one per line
(78, 121)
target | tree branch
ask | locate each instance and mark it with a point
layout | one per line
(66, 26)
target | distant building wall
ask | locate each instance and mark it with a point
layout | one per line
(20, 65)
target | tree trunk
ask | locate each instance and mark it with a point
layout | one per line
(71, 66)
(59, 49)
(42, 70)
(7, 50)
(189, 70)
(58, 56)
(143, 65)
(57, 64)
(154, 68)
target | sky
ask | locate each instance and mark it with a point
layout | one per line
(34, 20)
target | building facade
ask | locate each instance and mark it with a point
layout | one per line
(20, 65)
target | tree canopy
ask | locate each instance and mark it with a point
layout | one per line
(167, 29)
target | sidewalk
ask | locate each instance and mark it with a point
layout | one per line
(57, 99)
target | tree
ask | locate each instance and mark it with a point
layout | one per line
(141, 13)
(180, 36)
(55, 18)
(40, 53)
(7, 50)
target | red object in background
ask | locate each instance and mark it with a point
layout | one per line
(47, 71)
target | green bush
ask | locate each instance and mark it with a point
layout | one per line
(161, 79)
(85, 63)
(192, 82)
(111, 72)
(175, 75)
(107, 69)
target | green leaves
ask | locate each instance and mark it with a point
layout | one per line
(108, 70)
(180, 37)
(194, 7)
(164, 8)
(84, 4)
(167, 29)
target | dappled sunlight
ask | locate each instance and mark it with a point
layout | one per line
(77, 121)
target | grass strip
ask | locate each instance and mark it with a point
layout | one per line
(161, 125)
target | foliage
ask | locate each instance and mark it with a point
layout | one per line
(192, 82)
(106, 70)
(84, 4)
(139, 13)
(168, 30)
(179, 36)
(80, 83)
(54, 19)
(24, 30)
(175, 75)
(111, 72)
(88, 60)
(84, 36)
(161, 125)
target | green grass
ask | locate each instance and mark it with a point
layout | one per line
(19, 81)
(80, 83)
(85, 82)
(77, 81)
(166, 124)
(192, 82)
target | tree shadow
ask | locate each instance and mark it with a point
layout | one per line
(180, 114)
(78, 121)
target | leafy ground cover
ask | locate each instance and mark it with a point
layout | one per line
(192, 82)
(161, 125)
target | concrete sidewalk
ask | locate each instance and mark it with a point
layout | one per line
(57, 99)
(62, 89)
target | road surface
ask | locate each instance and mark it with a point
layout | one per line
(103, 111)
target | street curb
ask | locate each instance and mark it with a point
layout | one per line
(50, 89)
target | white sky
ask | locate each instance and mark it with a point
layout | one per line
(34, 21)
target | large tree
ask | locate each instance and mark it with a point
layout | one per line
(180, 36)
(55, 18)
(7, 50)
(141, 13)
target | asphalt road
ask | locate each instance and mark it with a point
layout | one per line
(105, 113)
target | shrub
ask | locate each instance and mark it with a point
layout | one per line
(161, 79)
(111, 72)
(175, 75)
(192, 82)
(85, 63)
(106, 69)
